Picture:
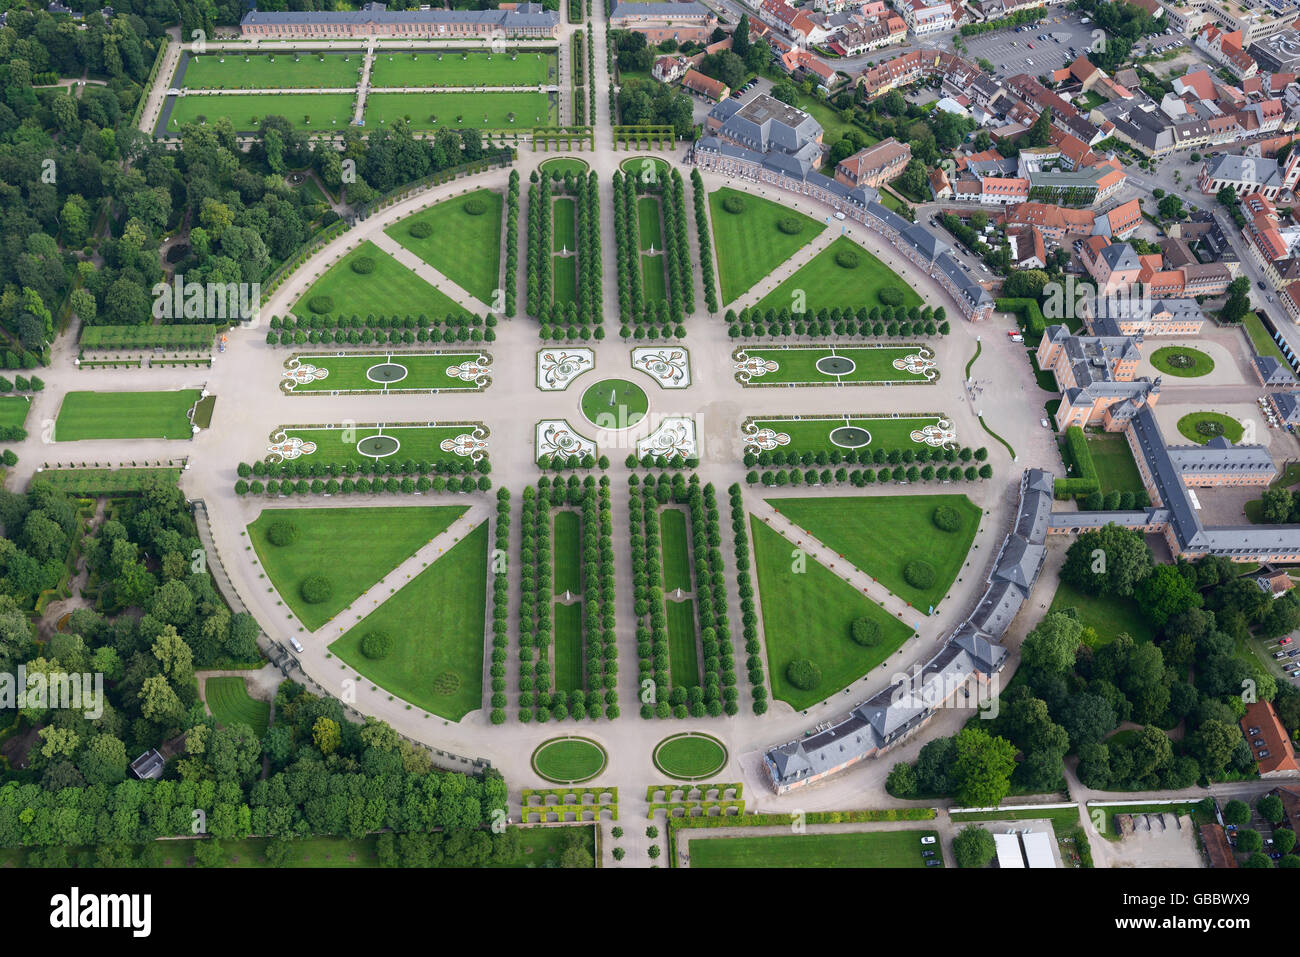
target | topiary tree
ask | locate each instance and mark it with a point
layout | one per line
(422, 229)
(790, 225)
(316, 589)
(946, 518)
(475, 206)
(734, 204)
(321, 304)
(846, 259)
(363, 265)
(804, 674)
(865, 631)
(919, 573)
(376, 644)
(890, 296)
(282, 533)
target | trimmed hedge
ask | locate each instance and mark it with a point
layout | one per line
(1085, 479)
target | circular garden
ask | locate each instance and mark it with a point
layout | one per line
(614, 404)
(569, 760)
(560, 167)
(690, 756)
(1182, 361)
(641, 166)
(1200, 427)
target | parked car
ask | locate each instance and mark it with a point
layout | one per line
(1252, 731)
(1279, 654)
(927, 840)
(932, 863)
(927, 853)
(1285, 641)
(1260, 283)
(297, 645)
(1262, 754)
(1259, 743)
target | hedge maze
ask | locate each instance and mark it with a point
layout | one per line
(667, 641)
(580, 678)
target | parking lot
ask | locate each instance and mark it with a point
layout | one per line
(1011, 52)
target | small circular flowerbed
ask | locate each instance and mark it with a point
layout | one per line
(1182, 361)
(835, 365)
(1201, 427)
(562, 166)
(387, 372)
(378, 446)
(569, 760)
(850, 437)
(690, 756)
(614, 404)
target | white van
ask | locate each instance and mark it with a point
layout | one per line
(297, 645)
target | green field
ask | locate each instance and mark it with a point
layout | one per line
(672, 543)
(649, 229)
(568, 647)
(310, 112)
(436, 622)
(125, 415)
(808, 615)
(683, 659)
(464, 247)
(229, 702)
(538, 847)
(654, 283)
(353, 547)
(348, 372)
(880, 534)
(891, 849)
(460, 111)
(463, 68)
(13, 410)
(828, 285)
(1182, 361)
(564, 216)
(1265, 344)
(1228, 427)
(690, 756)
(564, 285)
(1110, 616)
(1113, 460)
(567, 548)
(800, 364)
(417, 443)
(749, 245)
(391, 290)
(562, 166)
(566, 760)
(261, 71)
(814, 435)
(614, 403)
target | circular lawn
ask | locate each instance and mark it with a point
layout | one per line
(575, 166)
(1200, 427)
(569, 760)
(614, 404)
(690, 756)
(1182, 361)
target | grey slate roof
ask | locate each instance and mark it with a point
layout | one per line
(1220, 455)
(997, 608)
(1019, 562)
(660, 11)
(1273, 372)
(794, 167)
(1288, 405)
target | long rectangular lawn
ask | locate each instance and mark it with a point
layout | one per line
(808, 615)
(284, 70)
(460, 111)
(310, 112)
(800, 365)
(436, 622)
(813, 435)
(861, 849)
(348, 372)
(125, 415)
(463, 68)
